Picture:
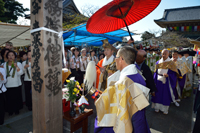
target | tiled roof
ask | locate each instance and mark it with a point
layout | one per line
(180, 14)
(69, 6)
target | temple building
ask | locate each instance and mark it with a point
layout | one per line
(69, 7)
(184, 21)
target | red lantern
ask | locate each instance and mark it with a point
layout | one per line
(198, 64)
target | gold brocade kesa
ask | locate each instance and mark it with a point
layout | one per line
(118, 103)
(182, 67)
(167, 65)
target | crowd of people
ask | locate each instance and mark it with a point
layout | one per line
(128, 74)
(77, 61)
(167, 74)
(15, 80)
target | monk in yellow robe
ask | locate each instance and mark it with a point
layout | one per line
(121, 107)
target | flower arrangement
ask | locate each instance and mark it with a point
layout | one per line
(72, 90)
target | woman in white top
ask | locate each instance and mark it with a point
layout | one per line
(92, 57)
(27, 80)
(2, 94)
(13, 73)
(75, 65)
(83, 59)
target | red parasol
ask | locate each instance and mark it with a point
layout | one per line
(120, 13)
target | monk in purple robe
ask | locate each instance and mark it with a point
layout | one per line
(121, 107)
(165, 78)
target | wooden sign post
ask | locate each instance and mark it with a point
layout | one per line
(46, 48)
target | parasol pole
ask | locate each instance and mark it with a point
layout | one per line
(125, 24)
(128, 30)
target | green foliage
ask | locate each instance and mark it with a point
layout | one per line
(13, 10)
(73, 90)
(2, 9)
(72, 20)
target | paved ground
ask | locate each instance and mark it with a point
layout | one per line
(179, 120)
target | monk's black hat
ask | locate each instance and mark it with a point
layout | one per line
(187, 51)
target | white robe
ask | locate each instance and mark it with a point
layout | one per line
(189, 76)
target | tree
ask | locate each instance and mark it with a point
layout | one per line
(147, 35)
(2, 9)
(13, 9)
(73, 19)
(173, 39)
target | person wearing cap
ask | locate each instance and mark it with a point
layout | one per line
(106, 66)
(165, 80)
(180, 55)
(183, 70)
(83, 60)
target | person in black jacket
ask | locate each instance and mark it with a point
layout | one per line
(146, 72)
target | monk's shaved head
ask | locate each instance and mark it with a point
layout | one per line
(165, 54)
(165, 50)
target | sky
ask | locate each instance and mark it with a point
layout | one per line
(145, 24)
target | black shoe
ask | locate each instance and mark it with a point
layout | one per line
(11, 113)
(16, 112)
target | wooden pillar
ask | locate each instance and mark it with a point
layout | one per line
(46, 61)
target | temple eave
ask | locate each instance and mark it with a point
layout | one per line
(164, 24)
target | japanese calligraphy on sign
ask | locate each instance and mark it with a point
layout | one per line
(36, 78)
(54, 49)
